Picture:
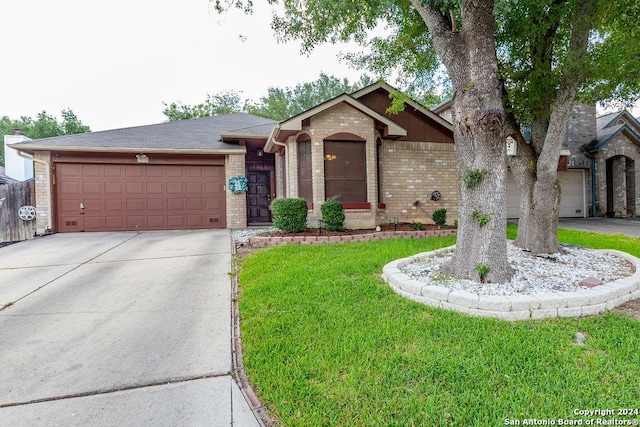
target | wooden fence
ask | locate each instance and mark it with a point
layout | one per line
(12, 198)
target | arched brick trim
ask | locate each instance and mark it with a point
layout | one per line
(344, 136)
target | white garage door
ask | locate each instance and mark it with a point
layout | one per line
(572, 204)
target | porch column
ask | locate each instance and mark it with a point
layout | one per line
(619, 183)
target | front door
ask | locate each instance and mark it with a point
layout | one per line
(259, 198)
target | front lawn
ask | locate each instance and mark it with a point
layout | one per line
(326, 342)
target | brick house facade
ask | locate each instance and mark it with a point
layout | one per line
(405, 159)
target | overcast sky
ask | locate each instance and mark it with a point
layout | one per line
(115, 62)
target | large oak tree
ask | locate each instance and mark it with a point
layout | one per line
(464, 42)
(551, 54)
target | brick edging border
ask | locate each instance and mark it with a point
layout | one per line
(264, 241)
(237, 360)
(584, 302)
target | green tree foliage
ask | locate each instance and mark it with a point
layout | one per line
(278, 104)
(43, 126)
(225, 102)
(282, 103)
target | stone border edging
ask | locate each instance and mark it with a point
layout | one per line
(584, 302)
(264, 241)
(237, 360)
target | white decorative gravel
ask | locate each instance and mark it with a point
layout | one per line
(533, 274)
(242, 236)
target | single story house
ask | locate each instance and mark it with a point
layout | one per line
(597, 171)
(175, 175)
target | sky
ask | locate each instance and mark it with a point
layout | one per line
(115, 62)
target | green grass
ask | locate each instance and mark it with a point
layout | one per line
(326, 342)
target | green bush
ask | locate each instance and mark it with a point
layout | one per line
(289, 214)
(332, 215)
(439, 216)
(417, 225)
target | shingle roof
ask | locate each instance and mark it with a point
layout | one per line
(201, 135)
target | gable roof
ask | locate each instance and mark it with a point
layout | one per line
(390, 89)
(294, 124)
(205, 135)
(607, 128)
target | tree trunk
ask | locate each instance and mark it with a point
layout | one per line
(536, 165)
(469, 55)
(481, 154)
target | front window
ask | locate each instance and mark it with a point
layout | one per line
(345, 171)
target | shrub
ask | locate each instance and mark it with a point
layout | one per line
(332, 215)
(417, 225)
(439, 216)
(289, 214)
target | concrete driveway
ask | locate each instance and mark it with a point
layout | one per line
(627, 226)
(118, 329)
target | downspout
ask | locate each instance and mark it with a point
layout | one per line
(48, 178)
(594, 169)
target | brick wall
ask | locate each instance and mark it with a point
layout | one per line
(343, 118)
(236, 203)
(410, 172)
(625, 174)
(44, 192)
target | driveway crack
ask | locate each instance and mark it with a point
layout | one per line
(67, 272)
(114, 390)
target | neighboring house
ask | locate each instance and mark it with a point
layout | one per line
(596, 171)
(174, 175)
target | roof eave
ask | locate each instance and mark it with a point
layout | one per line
(31, 148)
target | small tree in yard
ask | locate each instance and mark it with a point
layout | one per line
(289, 215)
(333, 215)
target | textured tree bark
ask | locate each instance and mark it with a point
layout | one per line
(478, 118)
(535, 167)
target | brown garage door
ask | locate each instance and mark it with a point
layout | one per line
(112, 197)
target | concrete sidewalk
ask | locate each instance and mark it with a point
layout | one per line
(118, 329)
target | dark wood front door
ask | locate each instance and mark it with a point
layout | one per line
(259, 197)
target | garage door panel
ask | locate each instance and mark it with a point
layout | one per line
(92, 171)
(144, 197)
(93, 223)
(155, 172)
(135, 205)
(134, 172)
(175, 204)
(111, 188)
(156, 188)
(195, 204)
(114, 171)
(135, 187)
(135, 222)
(156, 205)
(115, 223)
(195, 221)
(175, 188)
(195, 187)
(156, 222)
(114, 205)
